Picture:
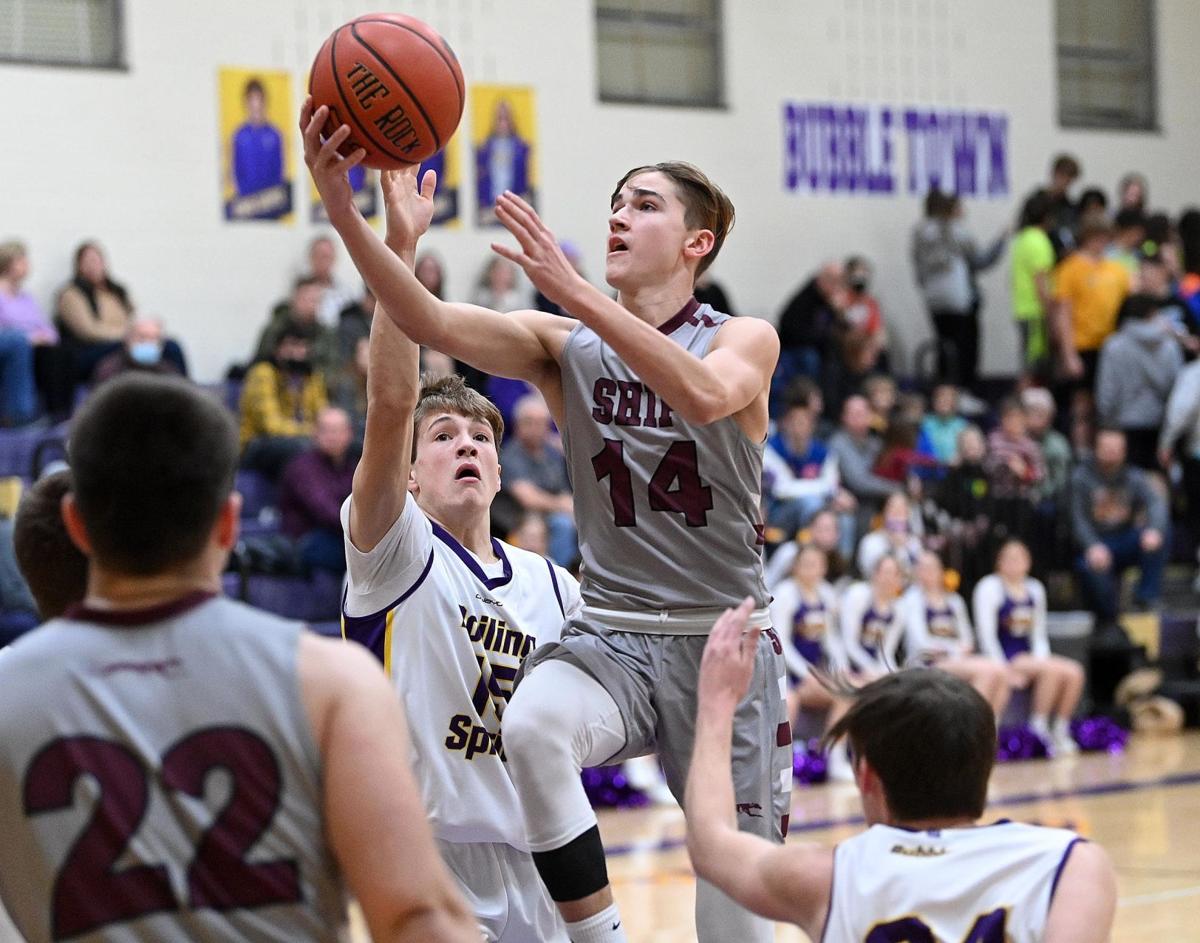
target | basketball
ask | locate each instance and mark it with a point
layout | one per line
(396, 82)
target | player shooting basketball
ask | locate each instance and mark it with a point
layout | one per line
(662, 403)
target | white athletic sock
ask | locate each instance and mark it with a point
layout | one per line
(1039, 724)
(604, 927)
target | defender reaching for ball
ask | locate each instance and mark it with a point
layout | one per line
(924, 743)
(449, 611)
(662, 403)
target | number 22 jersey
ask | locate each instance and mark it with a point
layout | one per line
(451, 633)
(668, 510)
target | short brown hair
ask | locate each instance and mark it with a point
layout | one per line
(1094, 226)
(55, 569)
(929, 736)
(452, 395)
(9, 253)
(705, 206)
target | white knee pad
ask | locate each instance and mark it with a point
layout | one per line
(559, 720)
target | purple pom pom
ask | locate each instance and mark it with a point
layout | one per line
(809, 764)
(1099, 734)
(607, 788)
(1020, 743)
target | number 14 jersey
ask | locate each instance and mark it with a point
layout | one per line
(667, 510)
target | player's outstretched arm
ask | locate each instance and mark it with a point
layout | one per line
(733, 374)
(374, 820)
(1085, 900)
(522, 344)
(789, 883)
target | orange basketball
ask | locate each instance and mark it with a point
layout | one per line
(395, 82)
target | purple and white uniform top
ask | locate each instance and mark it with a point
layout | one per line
(1011, 622)
(668, 511)
(934, 630)
(870, 631)
(813, 638)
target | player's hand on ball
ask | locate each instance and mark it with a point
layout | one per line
(330, 170)
(409, 205)
(728, 662)
(540, 256)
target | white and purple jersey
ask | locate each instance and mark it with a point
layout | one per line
(991, 882)
(870, 630)
(808, 625)
(934, 630)
(1011, 622)
(668, 510)
(451, 632)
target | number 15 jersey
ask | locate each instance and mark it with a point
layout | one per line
(667, 510)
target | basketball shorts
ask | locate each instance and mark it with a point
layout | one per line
(504, 892)
(653, 680)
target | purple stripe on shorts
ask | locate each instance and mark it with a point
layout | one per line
(370, 630)
(470, 562)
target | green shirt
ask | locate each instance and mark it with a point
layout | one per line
(1032, 255)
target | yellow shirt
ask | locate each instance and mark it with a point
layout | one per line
(271, 406)
(1094, 289)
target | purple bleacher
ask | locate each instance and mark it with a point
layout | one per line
(257, 492)
(313, 599)
(19, 446)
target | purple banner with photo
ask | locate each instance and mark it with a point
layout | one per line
(884, 150)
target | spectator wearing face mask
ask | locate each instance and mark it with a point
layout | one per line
(281, 398)
(142, 350)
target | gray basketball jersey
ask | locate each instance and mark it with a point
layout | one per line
(159, 780)
(668, 511)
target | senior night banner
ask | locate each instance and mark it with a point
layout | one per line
(257, 161)
(504, 135)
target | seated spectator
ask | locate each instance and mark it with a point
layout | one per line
(806, 327)
(298, 315)
(432, 274)
(1138, 366)
(895, 537)
(497, 287)
(864, 338)
(281, 398)
(1089, 289)
(799, 473)
(354, 325)
(314, 485)
(881, 393)
(967, 508)
(1120, 520)
(535, 474)
(348, 389)
(1010, 620)
(575, 257)
(94, 314)
(531, 534)
(899, 459)
(825, 533)
(1014, 462)
(322, 262)
(1056, 450)
(18, 394)
(856, 450)
(937, 633)
(435, 365)
(53, 364)
(708, 291)
(804, 611)
(54, 568)
(142, 350)
(871, 619)
(940, 429)
(807, 394)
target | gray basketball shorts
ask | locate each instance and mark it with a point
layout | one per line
(653, 680)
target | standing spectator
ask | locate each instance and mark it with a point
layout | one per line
(881, 393)
(1091, 200)
(1138, 366)
(314, 485)
(575, 257)
(1120, 520)
(1189, 283)
(53, 365)
(864, 339)
(1056, 451)
(1090, 289)
(856, 451)
(806, 327)
(535, 474)
(1129, 233)
(940, 429)
(348, 389)
(1133, 192)
(1033, 260)
(281, 398)
(1064, 171)
(799, 473)
(322, 261)
(299, 315)
(1010, 620)
(946, 260)
(142, 350)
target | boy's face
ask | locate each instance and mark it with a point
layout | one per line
(647, 234)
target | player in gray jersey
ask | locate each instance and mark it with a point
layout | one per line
(662, 404)
(924, 743)
(178, 766)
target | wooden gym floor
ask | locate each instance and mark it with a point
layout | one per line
(1143, 806)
